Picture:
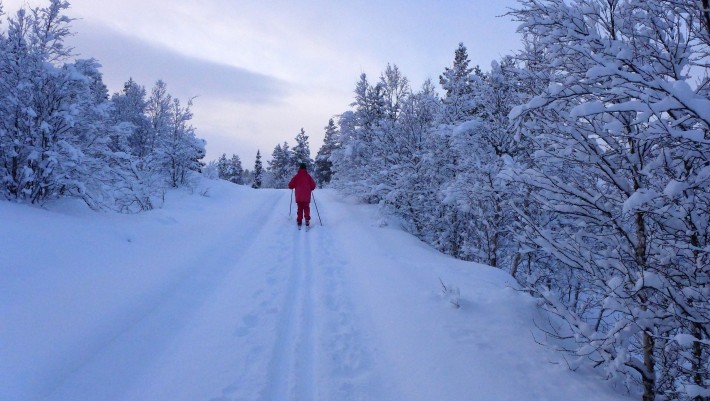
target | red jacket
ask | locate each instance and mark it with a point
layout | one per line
(303, 183)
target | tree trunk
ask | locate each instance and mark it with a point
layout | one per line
(697, 363)
(493, 261)
(515, 264)
(454, 239)
(648, 342)
(496, 233)
(649, 378)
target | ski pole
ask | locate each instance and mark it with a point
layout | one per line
(315, 203)
(290, 205)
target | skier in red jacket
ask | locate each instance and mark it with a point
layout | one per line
(304, 184)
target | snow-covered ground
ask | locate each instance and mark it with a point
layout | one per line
(219, 297)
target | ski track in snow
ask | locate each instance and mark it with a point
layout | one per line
(300, 330)
(266, 312)
(170, 311)
(290, 371)
(318, 354)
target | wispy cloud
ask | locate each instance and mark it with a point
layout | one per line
(124, 57)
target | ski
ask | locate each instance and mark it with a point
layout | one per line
(308, 227)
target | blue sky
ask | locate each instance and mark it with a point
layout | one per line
(262, 70)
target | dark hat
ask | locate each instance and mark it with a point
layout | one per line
(303, 165)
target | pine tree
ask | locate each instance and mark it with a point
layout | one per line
(457, 81)
(453, 147)
(281, 166)
(258, 171)
(235, 170)
(302, 151)
(223, 167)
(358, 161)
(323, 164)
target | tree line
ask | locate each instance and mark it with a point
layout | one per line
(283, 164)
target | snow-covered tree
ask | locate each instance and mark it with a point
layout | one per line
(479, 190)
(354, 161)
(258, 171)
(211, 170)
(92, 162)
(171, 147)
(60, 135)
(451, 146)
(158, 111)
(42, 151)
(458, 84)
(368, 136)
(231, 169)
(223, 166)
(301, 153)
(412, 175)
(128, 112)
(236, 171)
(179, 149)
(323, 164)
(281, 166)
(620, 170)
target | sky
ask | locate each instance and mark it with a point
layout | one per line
(259, 71)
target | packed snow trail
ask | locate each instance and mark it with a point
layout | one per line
(221, 298)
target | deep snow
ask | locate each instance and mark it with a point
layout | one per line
(220, 298)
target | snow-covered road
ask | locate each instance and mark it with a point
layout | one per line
(219, 297)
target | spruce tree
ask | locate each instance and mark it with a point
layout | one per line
(235, 170)
(258, 171)
(458, 83)
(302, 151)
(223, 167)
(281, 165)
(323, 164)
